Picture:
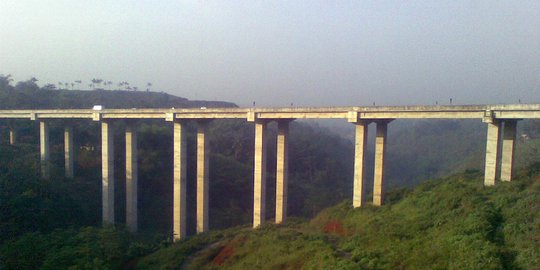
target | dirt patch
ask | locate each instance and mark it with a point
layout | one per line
(225, 253)
(335, 227)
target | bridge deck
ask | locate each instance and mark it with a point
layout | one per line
(509, 111)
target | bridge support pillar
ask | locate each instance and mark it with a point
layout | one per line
(380, 150)
(179, 181)
(359, 158)
(259, 175)
(107, 172)
(282, 170)
(131, 178)
(68, 152)
(508, 145)
(12, 136)
(492, 152)
(44, 149)
(202, 176)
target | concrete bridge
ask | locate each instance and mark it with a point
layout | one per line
(500, 119)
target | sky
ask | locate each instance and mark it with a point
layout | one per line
(274, 53)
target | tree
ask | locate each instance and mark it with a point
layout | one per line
(148, 85)
(49, 86)
(5, 81)
(97, 83)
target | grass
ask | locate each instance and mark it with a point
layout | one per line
(450, 223)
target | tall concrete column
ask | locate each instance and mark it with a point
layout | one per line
(179, 182)
(359, 158)
(68, 152)
(107, 172)
(202, 177)
(259, 177)
(508, 145)
(492, 152)
(44, 149)
(132, 176)
(380, 150)
(12, 136)
(282, 170)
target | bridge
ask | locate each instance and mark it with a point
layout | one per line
(501, 121)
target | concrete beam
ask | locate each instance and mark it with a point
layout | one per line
(179, 181)
(508, 148)
(380, 150)
(132, 179)
(107, 172)
(44, 149)
(259, 175)
(282, 170)
(492, 152)
(202, 176)
(359, 160)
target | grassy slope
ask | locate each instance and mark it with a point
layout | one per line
(453, 223)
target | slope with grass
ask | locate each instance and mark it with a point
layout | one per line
(451, 223)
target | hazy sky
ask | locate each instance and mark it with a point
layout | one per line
(310, 53)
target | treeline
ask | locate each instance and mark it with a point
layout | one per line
(93, 84)
(28, 95)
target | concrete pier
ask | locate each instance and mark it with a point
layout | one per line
(508, 148)
(179, 181)
(107, 172)
(380, 150)
(202, 176)
(492, 152)
(282, 170)
(12, 136)
(69, 155)
(44, 149)
(259, 175)
(359, 160)
(131, 178)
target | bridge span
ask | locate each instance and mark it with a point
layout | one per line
(501, 121)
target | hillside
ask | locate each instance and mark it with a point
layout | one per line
(27, 96)
(450, 223)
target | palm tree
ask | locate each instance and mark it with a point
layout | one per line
(135, 88)
(148, 85)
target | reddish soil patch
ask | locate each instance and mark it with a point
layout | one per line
(334, 227)
(225, 253)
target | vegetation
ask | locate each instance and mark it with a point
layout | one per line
(451, 223)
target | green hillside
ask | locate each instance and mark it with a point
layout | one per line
(450, 223)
